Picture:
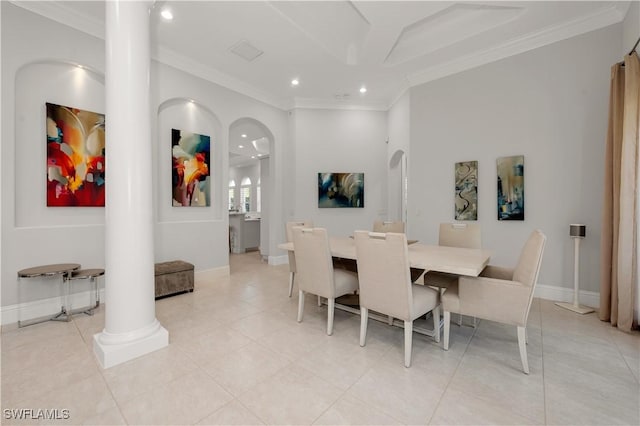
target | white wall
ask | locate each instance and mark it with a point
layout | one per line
(39, 235)
(399, 122)
(631, 28)
(339, 141)
(550, 105)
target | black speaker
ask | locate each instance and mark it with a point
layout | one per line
(577, 230)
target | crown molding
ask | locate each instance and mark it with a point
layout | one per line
(188, 65)
(318, 103)
(544, 37)
(65, 15)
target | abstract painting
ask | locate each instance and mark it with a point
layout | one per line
(340, 190)
(75, 157)
(466, 204)
(511, 188)
(190, 169)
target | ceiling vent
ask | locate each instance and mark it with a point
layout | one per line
(246, 50)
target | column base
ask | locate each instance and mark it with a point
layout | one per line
(575, 308)
(112, 354)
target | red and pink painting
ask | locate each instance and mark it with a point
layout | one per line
(190, 169)
(75, 157)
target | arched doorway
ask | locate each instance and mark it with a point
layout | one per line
(251, 146)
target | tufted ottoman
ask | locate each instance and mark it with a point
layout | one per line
(173, 277)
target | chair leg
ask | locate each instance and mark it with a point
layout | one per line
(436, 323)
(364, 318)
(408, 337)
(447, 320)
(319, 301)
(331, 303)
(390, 320)
(522, 331)
(291, 277)
(300, 304)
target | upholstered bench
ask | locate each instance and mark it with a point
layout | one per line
(173, 277)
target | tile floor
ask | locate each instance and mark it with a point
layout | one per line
(238, 356)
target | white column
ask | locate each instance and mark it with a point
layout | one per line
(131, 329)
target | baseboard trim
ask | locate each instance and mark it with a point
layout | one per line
(563, 294)
(279, 260)
(213, 273)
(42, 308)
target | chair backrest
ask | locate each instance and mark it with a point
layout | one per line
(383, 273)
(528, 266)
(464, 235)
(314, 262)
(386, 226)
(289, 233)
(289, 227)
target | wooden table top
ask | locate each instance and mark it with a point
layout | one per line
(48, 270)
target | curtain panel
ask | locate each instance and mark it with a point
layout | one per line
(619, 250)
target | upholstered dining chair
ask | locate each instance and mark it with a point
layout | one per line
(499, 294)
(388, 226)
(316, 274)
(464, 235)
(385, 285)
(292, 257)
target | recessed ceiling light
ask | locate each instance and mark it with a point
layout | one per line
(166, 14)
(240, 146)
(243, 135)
(363, 89)
(192, 101)
(253, 156)
(295, 82)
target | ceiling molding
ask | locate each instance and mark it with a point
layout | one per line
(585, 24)
(65, 15)
(188, 65)
(311, 103)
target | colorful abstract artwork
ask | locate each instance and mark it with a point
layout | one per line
(466, 204)
(190, 169)
(340, 190)
(511, 188)
(75, 157)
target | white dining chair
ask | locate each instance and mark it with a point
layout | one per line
(464, 235)
(385, 285)
(315, 272)
(388, 226)
(292, 257)
(499, 294)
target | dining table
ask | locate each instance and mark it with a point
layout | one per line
(422, 257)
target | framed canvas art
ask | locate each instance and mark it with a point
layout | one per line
(466, 202)
(75, 157)
(340, 190)
(190, 169)
(511, 188)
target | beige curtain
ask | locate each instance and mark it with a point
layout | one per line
(619, 281)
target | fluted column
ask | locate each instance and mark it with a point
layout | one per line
(131, 328)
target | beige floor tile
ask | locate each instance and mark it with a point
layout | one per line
(238, 335)
(293, 396)
(348, 410)
(110, 417)
(142, 375)
(183, 401)
(84, 399)
(407, 394)
(233, 413)
(217, 343)
(461, 408)
(258, 325)
(240, 370)
(294, 341)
